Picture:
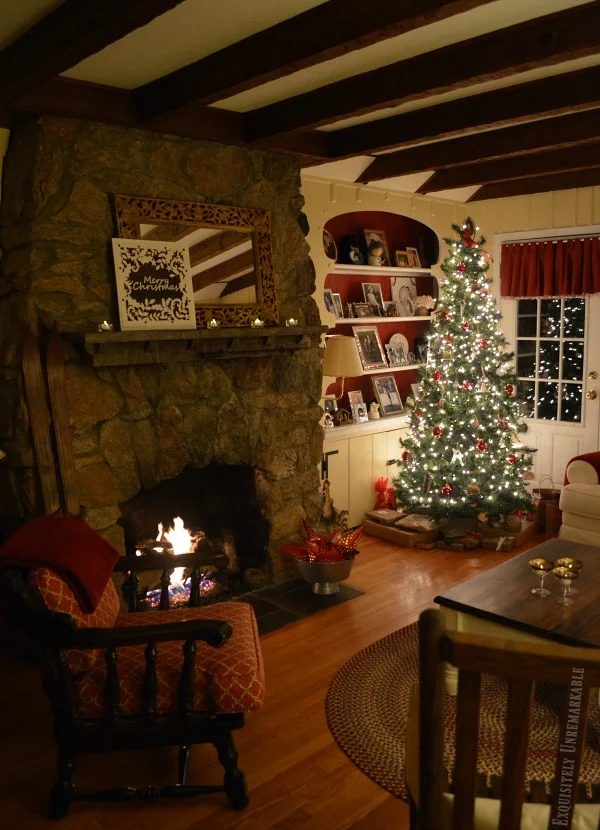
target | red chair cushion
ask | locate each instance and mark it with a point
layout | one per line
(229, 679)
(70, 548)
(59, 597)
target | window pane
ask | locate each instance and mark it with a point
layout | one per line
(572, 398)
(550, 318)
(549, 355)
(572, 360)
(527, 320)
(526, 398)
(574, 317)
(547, 408)
(526, 358)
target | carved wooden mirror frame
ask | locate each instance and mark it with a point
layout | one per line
(133, 211)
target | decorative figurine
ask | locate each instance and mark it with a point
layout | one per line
(374, 413)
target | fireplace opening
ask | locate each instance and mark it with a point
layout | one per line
(212, 509)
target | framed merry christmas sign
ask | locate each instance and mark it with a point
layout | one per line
(154, 285)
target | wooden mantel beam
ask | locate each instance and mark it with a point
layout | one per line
(545, 41)
(519, 167)
(63, 38)
(319, 34)
(547, 133)
(517, 104)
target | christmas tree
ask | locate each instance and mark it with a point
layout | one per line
(462, 454)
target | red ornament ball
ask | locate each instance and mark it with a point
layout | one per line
(483, 343)
(461, 267)
(418, 414)
(504, 423)
(437, 375)
(445, 314)
(437, 432)
(467, 385)
(449, 339)
(466, 325)
(406, 456)
(484, 295)
(509, 389)
(481, 446)
(446, 489)
(511, 458)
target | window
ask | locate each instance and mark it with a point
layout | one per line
(550, 358)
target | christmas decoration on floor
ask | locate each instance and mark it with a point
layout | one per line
(335, 546)
(462, 456)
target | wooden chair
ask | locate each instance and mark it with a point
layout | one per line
(153, 678)
(523, 665)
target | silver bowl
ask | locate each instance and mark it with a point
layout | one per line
(325, 575)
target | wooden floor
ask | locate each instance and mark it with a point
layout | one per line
(298, 777)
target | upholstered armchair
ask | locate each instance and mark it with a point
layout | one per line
(580, 500)
(133, 680)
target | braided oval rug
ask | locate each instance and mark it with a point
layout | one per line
(367, 707)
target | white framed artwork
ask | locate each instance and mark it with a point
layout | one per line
(154, 285)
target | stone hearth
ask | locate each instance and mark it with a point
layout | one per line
(136, 426)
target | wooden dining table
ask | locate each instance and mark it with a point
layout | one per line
(499, 602)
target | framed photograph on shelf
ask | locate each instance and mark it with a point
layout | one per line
(378, 252)
(387, 394)
(396, 355)
(362, 310)
(338, 305)
(403, 296)
(355, 397)
(374, 297)
(390, 309)
(353, 250)
(402, 260)
(328, 297)
(330, 405)
(359, 412)
(154, 285)
(414, 261)
(369, 347)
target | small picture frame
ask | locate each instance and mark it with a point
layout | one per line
(338, 305)
(369, 347)
(330, 405)
(154, 285)
(378, 253)
(328, 298)
(416, 390)
(360, 413)
(396, 355)
(353, 250)
(387, 394)
(355, 397)
(374, 297)
(390, 308)
(422, 349)
(402, 260)
(329, 245)
(362, 310)
(414, 261)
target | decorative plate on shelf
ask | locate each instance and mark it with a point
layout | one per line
(329, 245)
(409, 306)
(398, 341)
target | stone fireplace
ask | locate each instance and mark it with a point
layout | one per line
(136, 426)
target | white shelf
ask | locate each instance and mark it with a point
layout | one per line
(389, 270)
(358, 321)
(392, 369)
(378, 425)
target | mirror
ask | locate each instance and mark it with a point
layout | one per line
(229, 248)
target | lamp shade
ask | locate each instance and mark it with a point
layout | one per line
(341, 359)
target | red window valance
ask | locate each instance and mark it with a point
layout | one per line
(561, 268)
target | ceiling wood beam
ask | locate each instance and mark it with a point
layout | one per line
(169, 233)
(518, 167)
(246, 281)
(316, 35)
(545, 41)
(538, 184)
(222, 271)
(110, 105)
(564, 131)
(516, 104)
(66, 36)
(214, 245)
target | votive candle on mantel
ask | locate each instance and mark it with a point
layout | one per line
(291, 321)
(257, 323)
(105, 326)
(213, 324)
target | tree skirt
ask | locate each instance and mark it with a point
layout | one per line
(367, 706)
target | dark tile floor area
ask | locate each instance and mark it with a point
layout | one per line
(291, 601)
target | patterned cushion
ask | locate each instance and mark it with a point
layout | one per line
(227, 680)
(59, 597)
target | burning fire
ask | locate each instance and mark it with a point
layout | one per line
(181, 540)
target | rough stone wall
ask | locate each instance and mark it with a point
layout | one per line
(135, 426)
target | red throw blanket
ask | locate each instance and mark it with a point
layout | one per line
(70, 548)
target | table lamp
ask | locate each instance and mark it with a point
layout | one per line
(341, 360)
